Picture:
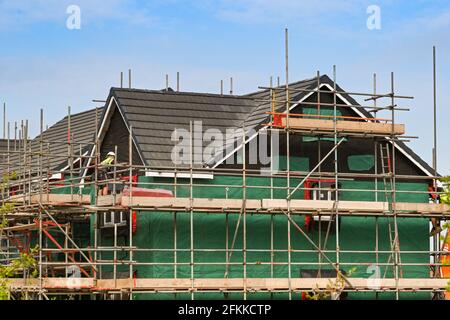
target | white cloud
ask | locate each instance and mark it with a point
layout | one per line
(262, 11)
(17, 14)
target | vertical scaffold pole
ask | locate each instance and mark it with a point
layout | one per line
(377, 226)
(15, 135)
(130, 167)
(41, 152)
(191, 204)
(175, 179)
(129, 78)
(115, 213)
(94, 185)
(438, 244)
(8, 172)
(336, 169)
(394, 190)
(272, 255)
(434, 115)
(244, 208)
(319, 170)
(288, 167)
(40, 209)
(4, 120)
(69, 149)
(21, 162)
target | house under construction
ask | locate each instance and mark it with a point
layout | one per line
(335, 202)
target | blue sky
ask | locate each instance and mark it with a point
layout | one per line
(44, 64)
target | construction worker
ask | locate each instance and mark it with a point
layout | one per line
(105, 167)
(110, 159)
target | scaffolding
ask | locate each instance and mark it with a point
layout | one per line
(38, 208)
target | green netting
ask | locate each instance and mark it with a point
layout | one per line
(295, 164)
(156, 231)
(67, 187)
(324, 111)
(361, 162)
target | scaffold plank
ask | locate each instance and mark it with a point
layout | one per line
(52, 283)
(201, 203)
(109, 200)
(208, 284)
(326, 205)
(344, 126)
(22, 227)
(422, 207)
(60, 199)
(270, 205)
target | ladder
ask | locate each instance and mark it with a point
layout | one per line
(388, 183)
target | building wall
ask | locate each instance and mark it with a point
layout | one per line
(155, 230)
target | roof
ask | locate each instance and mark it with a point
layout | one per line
(4, 149)
(83, 127)
(262, 98)
(4, 145)
(155, 114)
(259, 116)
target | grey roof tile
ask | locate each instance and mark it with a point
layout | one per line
(154, 116)
(55, 147)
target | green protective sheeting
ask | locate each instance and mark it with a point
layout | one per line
(324, 111)
(296, 164)
(155, 230)
(66, 188)
(360, 162)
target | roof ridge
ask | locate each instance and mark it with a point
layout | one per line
(190, 93)
(283, 86)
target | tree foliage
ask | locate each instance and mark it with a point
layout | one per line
(333, 290)
(25, 264)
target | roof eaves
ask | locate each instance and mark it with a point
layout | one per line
(127, 124)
